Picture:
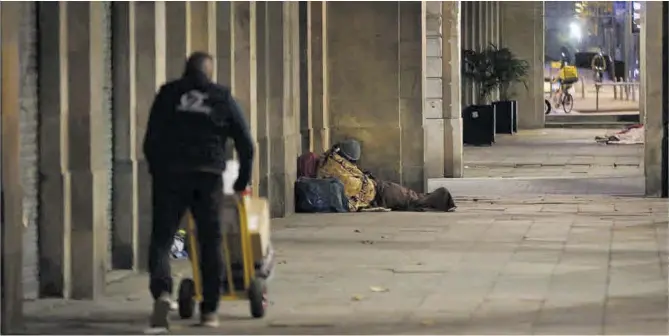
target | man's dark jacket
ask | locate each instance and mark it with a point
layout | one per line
(189, 124)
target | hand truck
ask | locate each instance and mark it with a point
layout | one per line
(255, 288)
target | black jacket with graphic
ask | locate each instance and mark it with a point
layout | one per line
(189, 124)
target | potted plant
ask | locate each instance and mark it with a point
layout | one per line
(478, 120)
(507, 69)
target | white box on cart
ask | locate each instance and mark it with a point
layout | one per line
(257, 210)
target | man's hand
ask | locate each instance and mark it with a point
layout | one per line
(239, 187)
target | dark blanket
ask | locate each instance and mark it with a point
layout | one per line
(398, 198)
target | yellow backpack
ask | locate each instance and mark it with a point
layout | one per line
(569, 74)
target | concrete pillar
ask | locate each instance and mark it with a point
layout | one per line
(305, 121)
(177, 30)
(224, 47)
(86, 161)
(283, 133)
(381, 116)
(451, 70)
(481, 24)
(317, 79)
(442, 109)
(495, 22)
(224, 54)
(244, 69)
(522, 31)
(263, 125)
(295, 91)
(139, 48)
(490, 23)
(493, 18)
(367, 113)
(54, 220)
(74, 232)
(653, 90)
(433, 122)
(203, 26)
(467, 29)
(191, 26)
(411, 95)
(11, 211)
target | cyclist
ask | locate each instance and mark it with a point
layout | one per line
(567, 76)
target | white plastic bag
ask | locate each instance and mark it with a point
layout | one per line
(230, 175)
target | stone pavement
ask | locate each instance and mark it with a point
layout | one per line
(553, 152)
(513, 265)
(585, 98)
(549, 162)
(607, 102)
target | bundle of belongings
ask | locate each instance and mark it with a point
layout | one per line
(630, 135)
(258, 217)
(179, 249)
(334, 183)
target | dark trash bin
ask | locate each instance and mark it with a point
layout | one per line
(505, 116)
(478, 125)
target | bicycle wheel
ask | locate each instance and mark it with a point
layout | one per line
(547, 106)
(567, 102)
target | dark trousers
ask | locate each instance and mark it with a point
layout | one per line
(173, 194)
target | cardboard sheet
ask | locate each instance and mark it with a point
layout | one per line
(258, 223)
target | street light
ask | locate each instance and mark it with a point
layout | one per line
(575, 31)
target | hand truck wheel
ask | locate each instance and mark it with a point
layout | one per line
(257, 293)
(186, 298)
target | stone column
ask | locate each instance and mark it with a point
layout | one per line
(490, 23)
(433, 122)
(653, 89)
(283, 132)
(483, 24)
(139, 48)
(177, 30)
(442, 115)
(224, 48)
(86, 161)
(494, 32)
(74, 232)
(522, 31)
(467, 39)
(190, 26)
(412, 144)
(452, 109)
(244, 70)
(358, 110)
(305, 120)
(54, 220)
(495, 22)
(295, 92)
(203, 25)
(263, 125)
(12, 227)
(317, 74)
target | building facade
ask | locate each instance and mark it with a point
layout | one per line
(78, 79)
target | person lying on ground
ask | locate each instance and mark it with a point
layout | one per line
(365, 191)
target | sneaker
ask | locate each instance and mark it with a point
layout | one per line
(209, 320)
(161, 311)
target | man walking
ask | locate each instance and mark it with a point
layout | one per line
(184, 145)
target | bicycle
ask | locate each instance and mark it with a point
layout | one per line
(566, 101)
(547, 90)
